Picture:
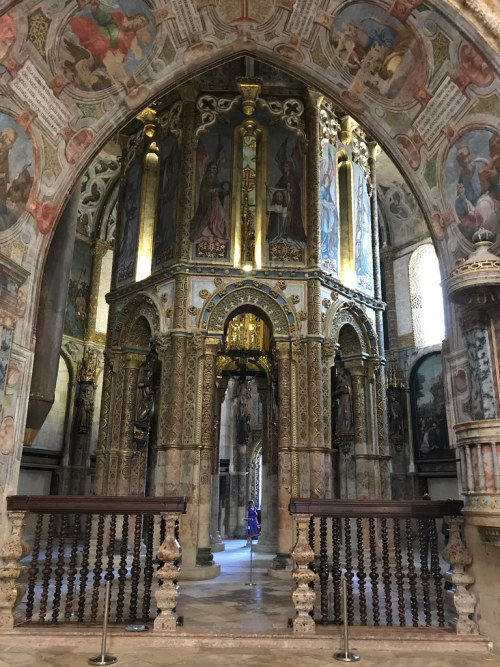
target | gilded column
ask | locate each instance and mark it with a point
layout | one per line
(131, 364)
(314, 100)
(284, 455)
(204, 555)
(189, 142)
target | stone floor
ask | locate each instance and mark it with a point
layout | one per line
(228, 621)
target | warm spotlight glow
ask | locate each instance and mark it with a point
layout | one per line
(247, 268)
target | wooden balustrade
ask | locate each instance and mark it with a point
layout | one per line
(388, 552)
(79, 543)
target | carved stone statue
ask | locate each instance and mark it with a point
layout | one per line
(342, 402)
(145, 404)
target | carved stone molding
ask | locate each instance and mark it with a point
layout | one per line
(140, 306)
(352, 314)
(216, 313)
(171, 120)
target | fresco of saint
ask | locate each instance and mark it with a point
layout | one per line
(105, 45)
(16, 171)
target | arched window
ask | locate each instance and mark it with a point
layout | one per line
(426, 297)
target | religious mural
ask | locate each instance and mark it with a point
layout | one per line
(429, 412)
(286, 237)
(378, 53)
(363, 257)
(211, 225)
(17, 166)
(472, 180)
(104, 43)
(79, 291)
(170, 167)
(329, 220)
(131, 217)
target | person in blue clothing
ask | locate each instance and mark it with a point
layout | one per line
(252, 524)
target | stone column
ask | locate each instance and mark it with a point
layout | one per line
(363, 466)
(50, 319)
(331, 454)
(382, 430)
(188, 147)
(131, 363)
(204, 556)
(317, 462)
(314, 100)
(283, 559)
(99, 250)
(268, 539)
(103, 446)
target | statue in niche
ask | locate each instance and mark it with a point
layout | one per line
(85, 408)
(243, 428)
(342, 402)
(145, 405)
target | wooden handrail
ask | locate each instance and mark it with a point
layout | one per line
(402, 509)
(96, 504)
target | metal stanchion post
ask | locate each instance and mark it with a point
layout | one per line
(104, 659)
(345, 656)
(250, 583)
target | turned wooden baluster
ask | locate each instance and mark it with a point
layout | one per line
(459, 557)
(363, 617)
(323, 570)
(72, 570)
(169, 554)
(348, 571)
(109, 576)
(386, 573)
(412, 576)
(122, 570)
(11, 593)
(59, 571)
(436, 574)
(423, 540)
(84, 569)
(148, 568)
(135, 570)
(399, 572)
(33, 569)
(47, 569)
(94, 605)
(336, 571)
(374, 572)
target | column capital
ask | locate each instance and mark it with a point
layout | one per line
(133, 360)
(314, 99)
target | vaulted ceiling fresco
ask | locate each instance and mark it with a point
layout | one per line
(415, 74)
